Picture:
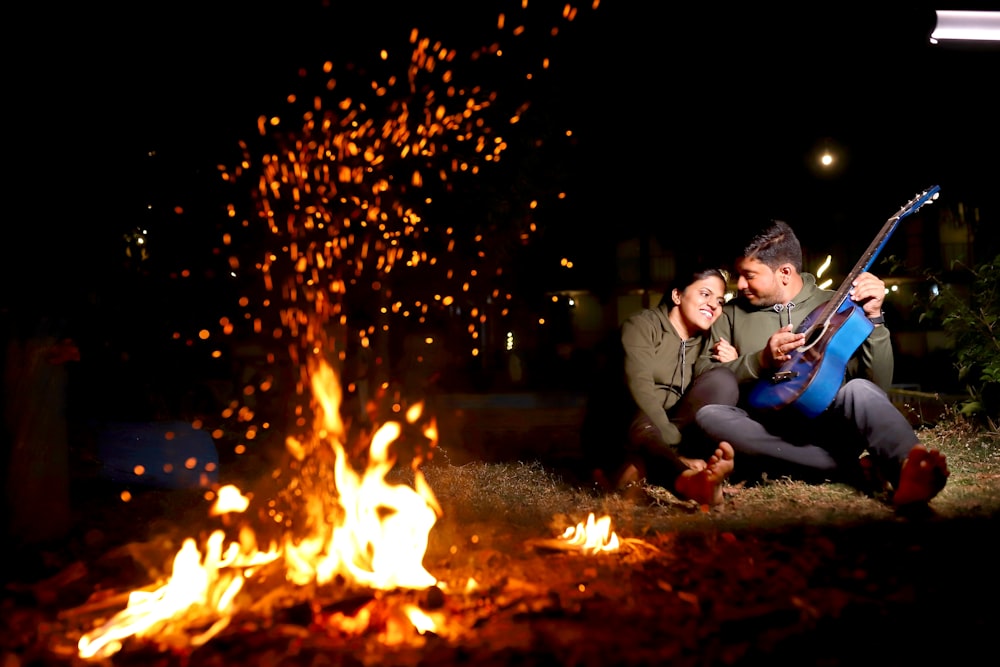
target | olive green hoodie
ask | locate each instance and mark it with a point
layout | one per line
(749, 327)
(659, 366)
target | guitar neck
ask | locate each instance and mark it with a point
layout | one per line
(869, 257)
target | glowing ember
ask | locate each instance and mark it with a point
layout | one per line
(363, 191)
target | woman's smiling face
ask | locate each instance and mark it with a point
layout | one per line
(700, 304)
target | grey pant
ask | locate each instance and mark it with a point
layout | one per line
(785, 442)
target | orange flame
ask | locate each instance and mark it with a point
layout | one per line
(594, 537)
(199, 588)
(379, 541)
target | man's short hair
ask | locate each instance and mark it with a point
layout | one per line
(775, 245)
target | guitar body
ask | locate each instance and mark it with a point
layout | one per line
(809, 381)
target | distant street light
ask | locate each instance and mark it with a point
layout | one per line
(827, 158)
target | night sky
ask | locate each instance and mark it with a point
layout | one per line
(687, 122)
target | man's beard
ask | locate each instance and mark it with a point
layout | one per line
(760, 301)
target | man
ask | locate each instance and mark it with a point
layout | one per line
(775, 296)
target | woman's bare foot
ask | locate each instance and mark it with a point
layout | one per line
(923, 475)
(705, 486)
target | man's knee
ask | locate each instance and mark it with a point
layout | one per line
(713, 414)
(861, 390)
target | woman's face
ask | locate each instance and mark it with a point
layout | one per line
(700, 304)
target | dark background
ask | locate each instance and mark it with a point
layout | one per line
(689, 123)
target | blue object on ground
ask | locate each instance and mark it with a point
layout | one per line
(166, 455)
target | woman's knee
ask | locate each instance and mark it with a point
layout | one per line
(641, 430)
(716, 387)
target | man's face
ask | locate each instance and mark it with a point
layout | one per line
(758, 283)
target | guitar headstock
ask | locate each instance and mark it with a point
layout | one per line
(925, 197)
(928, 195)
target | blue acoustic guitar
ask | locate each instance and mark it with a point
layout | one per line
(810, 379)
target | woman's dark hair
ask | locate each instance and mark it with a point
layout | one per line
(775, 245)
(688, 276)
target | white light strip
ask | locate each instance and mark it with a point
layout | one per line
(966, 26)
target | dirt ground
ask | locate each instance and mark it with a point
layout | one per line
(889, 592)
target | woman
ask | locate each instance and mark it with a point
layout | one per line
(661, 346)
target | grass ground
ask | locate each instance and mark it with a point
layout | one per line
(530, 493)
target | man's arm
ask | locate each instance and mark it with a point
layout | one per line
(874, 360)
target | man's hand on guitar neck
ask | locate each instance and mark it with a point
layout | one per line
(780, 345)
(868, 291)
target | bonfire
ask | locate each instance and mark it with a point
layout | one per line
(359, 532)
